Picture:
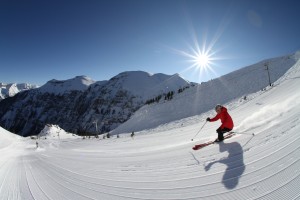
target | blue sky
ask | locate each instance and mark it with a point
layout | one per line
(60, 39)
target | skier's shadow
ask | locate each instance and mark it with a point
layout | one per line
(234, 161)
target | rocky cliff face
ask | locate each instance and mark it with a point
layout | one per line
(81, 105)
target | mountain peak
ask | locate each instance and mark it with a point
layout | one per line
(78, 83)
(147, 85)
(132, 74)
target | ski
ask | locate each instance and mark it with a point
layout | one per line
(200, 146)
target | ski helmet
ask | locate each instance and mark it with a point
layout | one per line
(218, 106)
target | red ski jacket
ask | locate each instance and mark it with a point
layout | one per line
(225, 119)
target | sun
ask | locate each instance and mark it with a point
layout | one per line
(202, 60)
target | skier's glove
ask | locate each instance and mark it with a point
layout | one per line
(208, 119)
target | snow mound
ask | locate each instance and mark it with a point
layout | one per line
(55, 132)
(58, 87)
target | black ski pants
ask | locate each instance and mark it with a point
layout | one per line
(221, 131)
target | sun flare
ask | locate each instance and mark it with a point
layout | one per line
(202, 60)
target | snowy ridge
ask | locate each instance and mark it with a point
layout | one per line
(148, 85)
(10, 90)
(79, 83)
(204, 97)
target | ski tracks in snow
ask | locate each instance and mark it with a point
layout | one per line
(267, 168)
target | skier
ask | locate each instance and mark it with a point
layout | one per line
(227, 123)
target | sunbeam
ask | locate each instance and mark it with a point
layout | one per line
(201, 60)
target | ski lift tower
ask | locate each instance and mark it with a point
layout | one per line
(96, 125)
(267, 68)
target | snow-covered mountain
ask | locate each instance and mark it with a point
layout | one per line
(78, 104)
(58, 87)
(160, 163)
(11, 89)
(148, 85)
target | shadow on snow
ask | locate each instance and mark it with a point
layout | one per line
(234, 162)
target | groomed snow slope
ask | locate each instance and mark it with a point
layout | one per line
(160, 164)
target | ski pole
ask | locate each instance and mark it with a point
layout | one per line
(199, 131)
(243, 133)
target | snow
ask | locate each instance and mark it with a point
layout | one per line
(51, 131)
(269, 114)
(160, 163)
(7, 138)
(11, 89)
(150, 85)
(79, 83)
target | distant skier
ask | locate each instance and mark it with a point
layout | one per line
(227, 123)
(37, 144)
(132, 135)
